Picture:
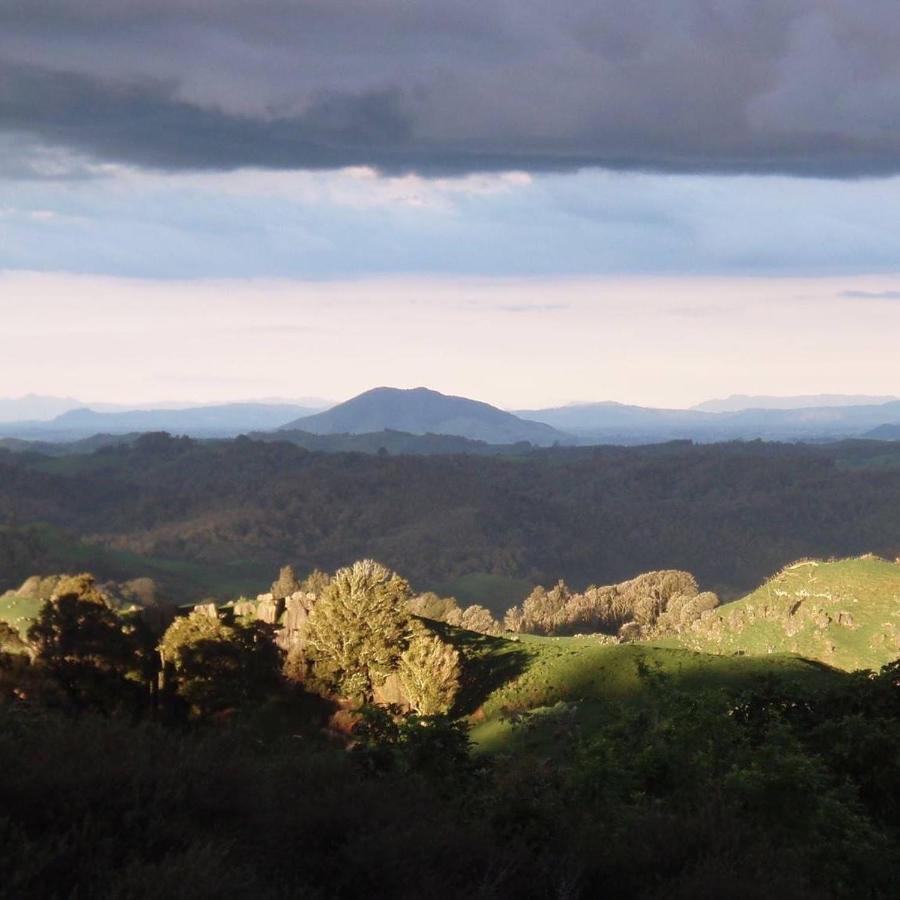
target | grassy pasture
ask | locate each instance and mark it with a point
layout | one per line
(18, 611)
(509, 679)
(845, 613)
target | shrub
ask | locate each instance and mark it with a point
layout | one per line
(429, 672)
(215, 667)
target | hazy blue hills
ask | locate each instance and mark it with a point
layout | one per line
(423, 411)
(612, 420)
(740, 402)
(618, 423)
(68, 447)
(227, 420)
(420, 420)
(34, 407)
(884, 433)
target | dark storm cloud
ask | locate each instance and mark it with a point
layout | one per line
(144, 122)
(808, 87)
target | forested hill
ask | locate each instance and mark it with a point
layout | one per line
(731, 513)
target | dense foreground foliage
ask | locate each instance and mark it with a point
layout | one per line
(207, 518)
(325, 741)
(222, 757)
(768, 791)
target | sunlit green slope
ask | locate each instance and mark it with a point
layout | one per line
(844, 613)
(19, 611)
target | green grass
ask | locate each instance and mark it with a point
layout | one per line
(845, 613)
(180, 580)
(19, 612)
(508, 678)
(497, 592)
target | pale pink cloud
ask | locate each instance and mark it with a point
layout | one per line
(516, 343)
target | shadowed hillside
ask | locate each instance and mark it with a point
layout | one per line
(730, 514)
(584, 673)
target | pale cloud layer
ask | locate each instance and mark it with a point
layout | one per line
(253, 223)
(659, 341)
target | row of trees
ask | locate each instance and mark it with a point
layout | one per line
(654, 604)
(651, 605)
(359, 643)
(364, 639)
(446, 609)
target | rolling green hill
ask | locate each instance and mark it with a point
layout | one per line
(531, 676)
(45, 549)
(845, 613)
(804, 625)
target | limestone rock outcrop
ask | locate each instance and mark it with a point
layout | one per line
(288, 614)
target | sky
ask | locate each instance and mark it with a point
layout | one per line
(525, 201)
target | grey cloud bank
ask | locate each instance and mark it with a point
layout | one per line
(806, 87)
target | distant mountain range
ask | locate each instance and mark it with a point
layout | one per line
(34, 407)
(740, 402)
(423, 411)
(884, 433)
(227, 420)
(43, 408)
(616, 423)
(398, 420)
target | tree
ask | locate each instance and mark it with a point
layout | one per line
(542, 611)
(478, 618)
(82, 586)
(357, 629)
(94, 655)
(429, 672)
(216, 667)
(315, 582)
(430, 606)
(286, 584)
(513, 620)
(14, 665)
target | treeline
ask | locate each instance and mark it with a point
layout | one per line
(655, 604)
